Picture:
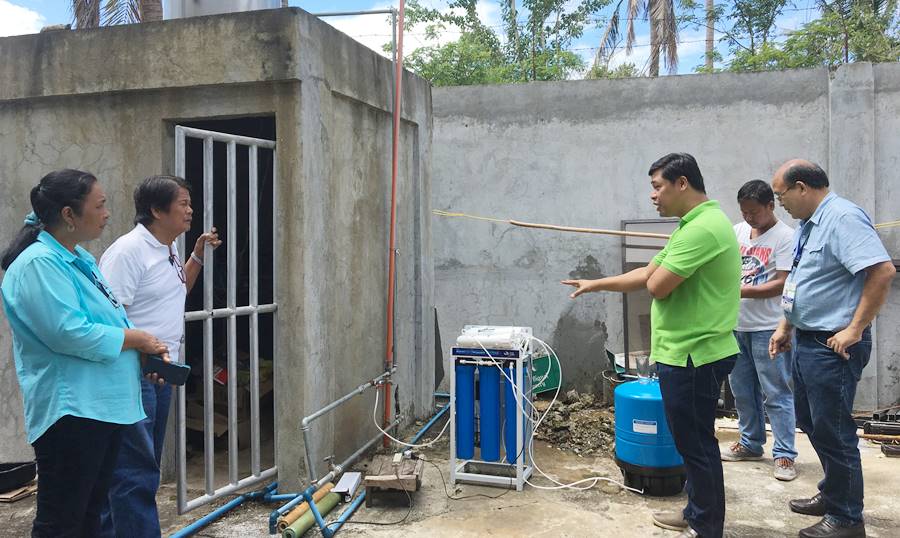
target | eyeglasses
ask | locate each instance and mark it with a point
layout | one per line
(778, 195)
(176, 263)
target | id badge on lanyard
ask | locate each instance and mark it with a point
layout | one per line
(787, 295)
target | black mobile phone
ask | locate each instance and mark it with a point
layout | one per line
(172, 372)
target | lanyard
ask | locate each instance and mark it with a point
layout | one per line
(798, 250)
(96, 281)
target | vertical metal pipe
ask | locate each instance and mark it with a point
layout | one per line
(254, 317)
(231, 294)
(276, 263)
(208, 419)
(393, 57)
(180, 417)
(310, 464)
(392, 261)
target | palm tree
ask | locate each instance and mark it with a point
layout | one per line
(94, 13)
(710, 33)
(663, 31)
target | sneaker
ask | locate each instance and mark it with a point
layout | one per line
(738, 452)
(785, 469)
(674, 521)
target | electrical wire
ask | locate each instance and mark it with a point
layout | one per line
(521, 396)
(398, 441)
(464, 497)
(384, 523)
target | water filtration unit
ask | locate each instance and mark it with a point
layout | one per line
(645, 450)
(491, 370)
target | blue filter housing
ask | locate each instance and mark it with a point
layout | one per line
(511, 413)
(489, 412)
(645, 450)
(465, 411)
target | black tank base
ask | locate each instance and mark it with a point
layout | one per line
(654, 481)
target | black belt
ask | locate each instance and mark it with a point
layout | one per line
(816, 334)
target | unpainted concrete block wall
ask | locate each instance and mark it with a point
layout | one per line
(577, 153)
(63, 105)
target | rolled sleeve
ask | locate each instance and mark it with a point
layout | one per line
(858, 246)
(47, 303)
(689, 250)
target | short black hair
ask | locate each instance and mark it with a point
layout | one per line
(156, 192)
(811, 174)
(675, 165)
(758, 191)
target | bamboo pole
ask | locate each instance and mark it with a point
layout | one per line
(587, 230)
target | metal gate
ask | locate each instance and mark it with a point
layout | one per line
(230, 313)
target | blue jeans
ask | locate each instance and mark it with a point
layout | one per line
(690, 396)
(759, 382)
(824, 389)
(131, 508)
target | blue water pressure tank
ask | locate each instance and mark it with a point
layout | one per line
(645, 450)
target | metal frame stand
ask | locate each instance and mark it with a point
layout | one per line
(493, 473)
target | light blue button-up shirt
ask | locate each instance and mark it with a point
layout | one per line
(67, 339)
(838, 242)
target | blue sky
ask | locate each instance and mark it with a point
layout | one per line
(28, 16)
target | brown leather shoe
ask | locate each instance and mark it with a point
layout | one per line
(670, 520)
(828, 529)
(814, 506)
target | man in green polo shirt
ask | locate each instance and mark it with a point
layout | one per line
(695, 284)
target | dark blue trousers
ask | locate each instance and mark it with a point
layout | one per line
(824, 389)
(131, 509)
(75, 459)
(690, 396)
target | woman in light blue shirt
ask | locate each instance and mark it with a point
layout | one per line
(77, 357)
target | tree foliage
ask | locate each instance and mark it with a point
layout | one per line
(845, 31)
(94, 13)
(521, 50)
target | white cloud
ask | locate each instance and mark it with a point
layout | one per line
(18, 20)
(374, 31)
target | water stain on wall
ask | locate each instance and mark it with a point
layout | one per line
(580, 344)
(588, 268)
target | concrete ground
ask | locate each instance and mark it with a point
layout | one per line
(757, 503)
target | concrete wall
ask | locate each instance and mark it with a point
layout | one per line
(107, 101)
(577, 153)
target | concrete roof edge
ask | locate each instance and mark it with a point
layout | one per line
(248, 47)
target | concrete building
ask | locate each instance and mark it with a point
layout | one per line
(108, 101)
(577, 154)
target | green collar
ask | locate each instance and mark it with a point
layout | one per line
(698, 209)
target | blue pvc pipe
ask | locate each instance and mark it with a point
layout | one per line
(198, 525)
(275, 497)
(280, 511)
(328, 532)
(310, 491)
(320, 521)
(429, 424)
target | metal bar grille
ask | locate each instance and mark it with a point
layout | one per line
(229, 313)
